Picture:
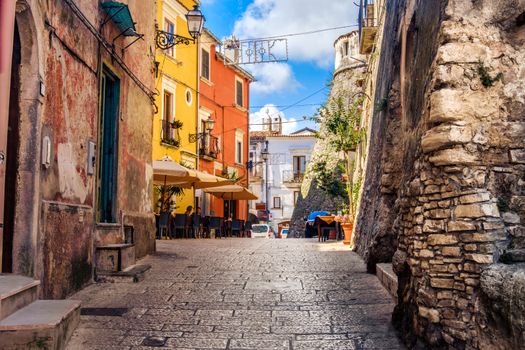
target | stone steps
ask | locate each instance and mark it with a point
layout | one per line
(388, 278)
(27, 323)
(15, 293)
(133, 274)
(115, 257)
(46, 324)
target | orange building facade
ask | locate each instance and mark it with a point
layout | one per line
(223, 150)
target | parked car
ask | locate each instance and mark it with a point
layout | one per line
(260, 231)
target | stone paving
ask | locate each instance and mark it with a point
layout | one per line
(243, 294)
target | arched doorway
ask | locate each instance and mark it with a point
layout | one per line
(22, 161)
(13, 143)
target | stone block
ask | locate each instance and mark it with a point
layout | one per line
(477, 210)
(425, 253)
(511, 218)
(475, 198)
(432, 226)
(445, 295)
(431, 314)
(456, 226)
(454, 156)
(450, 105)
(479, 237)
(451, 251)
(445, 136)
(469, 267)
(480, 258)
(517, 156)
(462, 52)
(470, 247)
(439, 213)
(441, 239)
(445, 283)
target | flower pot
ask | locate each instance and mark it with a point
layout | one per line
(347, 230)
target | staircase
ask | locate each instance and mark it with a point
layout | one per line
(28, 323)
(115, 255)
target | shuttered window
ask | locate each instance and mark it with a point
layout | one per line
(239, 93)
(205, 64)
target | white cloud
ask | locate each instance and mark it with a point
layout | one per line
(264, 18)
(256, 119)
(273, 77)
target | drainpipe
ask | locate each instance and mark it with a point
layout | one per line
(7, 29)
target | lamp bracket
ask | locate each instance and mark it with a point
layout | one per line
(166, 40)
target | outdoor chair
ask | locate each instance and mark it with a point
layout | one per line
(235, 228)
(163, 227)
(215, 224)
(179, 225)
(247, 228)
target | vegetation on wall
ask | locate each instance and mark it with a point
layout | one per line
(341, 118)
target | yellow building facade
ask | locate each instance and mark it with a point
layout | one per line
(177, 86)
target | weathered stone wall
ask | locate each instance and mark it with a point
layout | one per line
(56, 205)
(447, 156)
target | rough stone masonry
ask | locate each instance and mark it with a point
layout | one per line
(447, 157)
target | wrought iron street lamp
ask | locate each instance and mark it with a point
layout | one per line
(208, 127)
(195, 19)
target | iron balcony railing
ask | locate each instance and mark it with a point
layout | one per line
(170, 134)
(292, 176)
(209, 146)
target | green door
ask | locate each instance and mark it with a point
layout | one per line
(109, 111)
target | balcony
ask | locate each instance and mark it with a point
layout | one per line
(292, 178)
(209, 147)
(368, 27)
(170, 133)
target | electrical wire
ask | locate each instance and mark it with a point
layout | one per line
(282, 36)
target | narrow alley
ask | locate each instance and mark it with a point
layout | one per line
(242, 294)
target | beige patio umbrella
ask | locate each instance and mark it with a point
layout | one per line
(231, 192)
(167, 171)
(203, 180)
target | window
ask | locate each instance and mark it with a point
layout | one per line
(189, 97)
(239, 146)
(169, 27)
(239, 93)
(277, 202)
(295, 197)
(238, 157)
(167, 116)
(299, 165)
(205, 64)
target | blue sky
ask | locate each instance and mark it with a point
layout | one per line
(310, 63)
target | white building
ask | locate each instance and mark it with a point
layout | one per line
(277, 181)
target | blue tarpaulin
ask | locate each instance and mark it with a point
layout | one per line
(314, 214)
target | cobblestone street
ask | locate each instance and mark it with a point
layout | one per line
(243, 294)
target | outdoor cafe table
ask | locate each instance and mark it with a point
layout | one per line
(326, 219)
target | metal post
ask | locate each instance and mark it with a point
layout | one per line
(7, 28)
(266, 184)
